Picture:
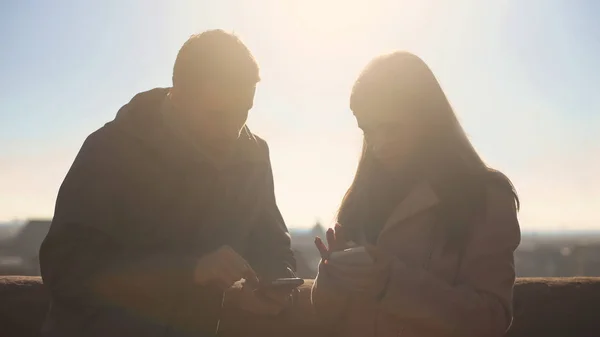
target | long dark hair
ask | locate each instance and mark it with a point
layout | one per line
(444, 151)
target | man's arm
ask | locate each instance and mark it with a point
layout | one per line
(270, 252)
(84, 259)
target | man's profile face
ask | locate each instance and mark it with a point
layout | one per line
(216, 110)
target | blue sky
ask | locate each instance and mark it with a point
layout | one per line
(521, 75)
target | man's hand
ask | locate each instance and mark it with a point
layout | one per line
(264, 301)
(223, 268)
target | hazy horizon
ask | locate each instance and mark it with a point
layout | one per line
(521, 76)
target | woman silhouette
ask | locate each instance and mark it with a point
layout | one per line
(439, 225)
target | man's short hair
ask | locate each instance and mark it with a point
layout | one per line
(214, 53)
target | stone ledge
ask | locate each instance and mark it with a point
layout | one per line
(543, 307)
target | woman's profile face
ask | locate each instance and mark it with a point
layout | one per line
(389, 134)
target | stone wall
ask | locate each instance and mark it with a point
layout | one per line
(543, 307)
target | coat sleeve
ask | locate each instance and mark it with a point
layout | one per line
(270, 252)
(481, 303)
(329, 302)
(83, 259)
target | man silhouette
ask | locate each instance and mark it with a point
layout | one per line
(168, 205)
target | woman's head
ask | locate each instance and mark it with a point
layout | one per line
(410, 129)
(405, 116)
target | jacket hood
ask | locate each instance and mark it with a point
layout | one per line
(142, 115)
(143, 118)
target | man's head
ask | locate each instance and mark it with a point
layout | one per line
(214, 81)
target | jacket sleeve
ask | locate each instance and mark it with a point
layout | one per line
(270, 252)
(84, 258)
(481, 303)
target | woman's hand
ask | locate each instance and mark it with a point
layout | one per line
(336, 241)
(364, 279)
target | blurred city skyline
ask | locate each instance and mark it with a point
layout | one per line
(520, 75)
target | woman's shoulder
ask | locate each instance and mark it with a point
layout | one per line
(476, 193)
(501, 225)
(499, 190)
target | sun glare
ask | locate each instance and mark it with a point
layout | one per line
(352, 28)
(329, 19)
(334, 21)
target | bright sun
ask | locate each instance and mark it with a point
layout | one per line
(339, 22)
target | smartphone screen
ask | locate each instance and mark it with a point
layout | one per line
(283, 283)
(356, 255)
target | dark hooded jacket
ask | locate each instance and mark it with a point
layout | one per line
(136, 211)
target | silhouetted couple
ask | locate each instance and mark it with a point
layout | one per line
(172, 203)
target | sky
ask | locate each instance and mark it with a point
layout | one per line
(521, 75)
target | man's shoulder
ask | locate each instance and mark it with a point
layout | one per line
(105, 145)
(256, 148)
(102, 138)
(261, 143)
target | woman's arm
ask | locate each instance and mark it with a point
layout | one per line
(328, 300)
(481, 303)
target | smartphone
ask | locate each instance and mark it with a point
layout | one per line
(355, 255)
(282, 283)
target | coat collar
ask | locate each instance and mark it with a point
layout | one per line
(247, 148)
(421, 197)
